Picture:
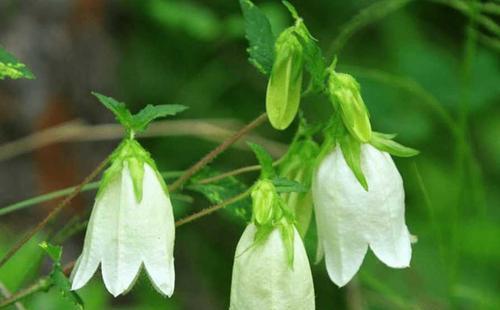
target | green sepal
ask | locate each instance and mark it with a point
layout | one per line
(265, 161)
(384, 142)
(132, 153)
(285, 83)
(284, 185)
(287, 234)
(12, 68)
(138, 122)
(351, 149)
(259, 35)
(345, 95)
(57, 276)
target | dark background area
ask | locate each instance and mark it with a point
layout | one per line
(423, 74)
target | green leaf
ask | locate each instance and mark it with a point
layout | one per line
(141, 120)
(265, 160)
(259, 35)
(54, 252)
(384, 143)
(57, 276)
(12, 68)
(221, 190)
(314, 61)
(122, 114)
(64, 286)
(284, 185)
(351, 149)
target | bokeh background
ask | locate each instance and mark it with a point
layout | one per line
(427, 72)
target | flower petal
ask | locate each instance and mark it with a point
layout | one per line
(157, 226)
(339, 206)
(97, 237)
(263, 279)
(385, 220)
(122, 256)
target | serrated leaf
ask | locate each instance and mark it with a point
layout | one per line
(284, 185)
(351, 149)
(57, 276)
(265, 160)
(221, 190)
(384, 143)
(122, 114)
(141, 120)
(259, 35)
(12, 68)
(64, 286)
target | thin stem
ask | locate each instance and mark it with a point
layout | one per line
(211, 209)
(63, 192)
(41, 285)
(215, 152)
(53, 213)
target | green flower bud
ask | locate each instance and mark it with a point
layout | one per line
(345, 94)
(264, 198)
(285, 82)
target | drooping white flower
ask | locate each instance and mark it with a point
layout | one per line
(263, 277)
(131, 226)
(349, 219)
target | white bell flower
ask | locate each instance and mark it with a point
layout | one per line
(131, 226)
(263, 277)
(349, 219)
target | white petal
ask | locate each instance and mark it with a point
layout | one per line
(97, 237)
(263, 279)
(385, 222)
(339, 216)
(157, 226)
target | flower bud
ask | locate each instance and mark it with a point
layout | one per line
(349, 218)
(345, 94)
(264, 198)
(285, 83)
(263, 278)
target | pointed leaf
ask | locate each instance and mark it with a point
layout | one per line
(141, 120)
(287, 233)
(259, 35)
(53, 251)
(351, 149)
(265, 160)
(119, 109)
(12, 68)
(384, 143)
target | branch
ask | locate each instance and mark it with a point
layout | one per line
(78, 131)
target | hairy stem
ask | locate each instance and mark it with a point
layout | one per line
(215, 152)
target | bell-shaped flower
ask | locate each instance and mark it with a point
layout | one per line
(350, 218)
(263, 277)
(131, 226)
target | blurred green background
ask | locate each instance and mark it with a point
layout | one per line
(427, 70)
